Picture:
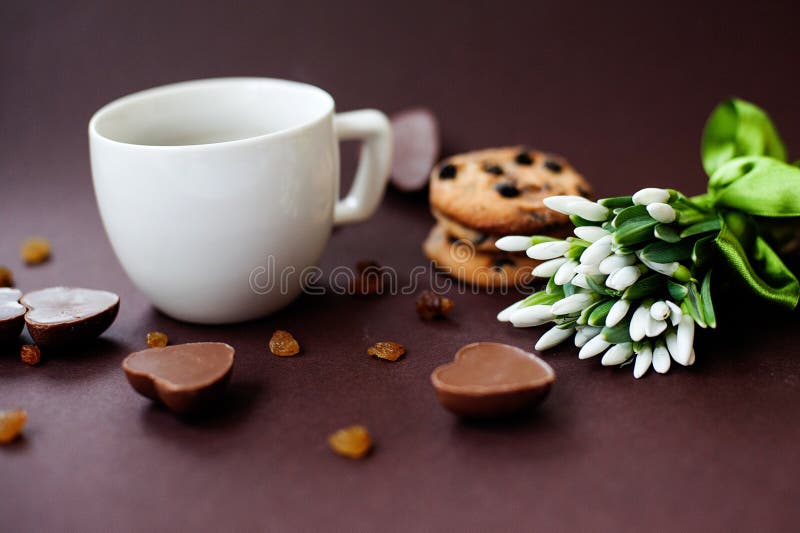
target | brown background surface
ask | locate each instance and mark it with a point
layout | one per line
(622, 90)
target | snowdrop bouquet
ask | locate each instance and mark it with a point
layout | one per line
(636, 279)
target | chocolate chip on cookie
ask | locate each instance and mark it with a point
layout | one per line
(552, 165)
(447, 172)
(507, 190)
(497, 170)
(523, 158)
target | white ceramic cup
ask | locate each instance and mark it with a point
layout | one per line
(202, 184)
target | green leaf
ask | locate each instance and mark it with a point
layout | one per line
(579, 221)
(569, 289)
(664, 252)
(599, 288)
(540, 298)
(666, 233)
(708, 306)
(629, 213)
(619, 333)
(597, 317)
(756, 263)
(705, 226)
(691, 305)
(565, 322)
(635, 231)
(586, 313)
(616, 201)
(645, 286)
(575, 251)
(677, 291)
(703, 251)
(737, 128)
(538, 239)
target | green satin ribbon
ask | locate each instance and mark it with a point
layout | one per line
(749, 177)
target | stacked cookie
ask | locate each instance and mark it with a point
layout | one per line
(480, 196)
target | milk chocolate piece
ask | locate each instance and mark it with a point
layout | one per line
(186, 378)
(11, 315)
(489, 379)
(416, 148)
(62, 316)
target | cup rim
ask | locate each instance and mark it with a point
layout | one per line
(182, 85)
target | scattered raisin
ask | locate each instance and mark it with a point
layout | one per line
(493, 169)
(157, 339)
(447, 172)
(523, 158)
(552, 165)
(507, 190)
(431, 305)
(353, 442)
(35, 250)
(30, 354)
(283, 344)
(389, 350)
(6, 277)
(369, 279)
(11, 424)
(503, 261)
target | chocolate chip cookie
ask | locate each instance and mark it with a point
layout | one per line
(499, 191)
(461, 260)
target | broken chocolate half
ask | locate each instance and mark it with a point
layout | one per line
(186, 378)
(490, 379)
(62, 316)
(12, 315)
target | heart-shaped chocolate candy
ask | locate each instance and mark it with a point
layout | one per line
(62, 316)
(184, 377)
(490, 379)
(12, 315)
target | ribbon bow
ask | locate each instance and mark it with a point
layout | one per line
(751, 183)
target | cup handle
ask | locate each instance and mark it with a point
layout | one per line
(373, 128)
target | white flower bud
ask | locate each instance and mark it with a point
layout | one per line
(597, 251)
(659, 310)
(662, 212)
(505, 314)
(590, 211)
(615, 262)
(513, 243)
(573, 304)
(639, 321)
(580, 281)
(685, 339)
(617, 312)
(590, 233)
(586, 333)
(617, 354)
(589, 270)
(691, 359)
(668, 269)
(661, 360)
(651, 195)
(562, 203)
(553, 337)
(548, 268)
(675, 313)
(534, 315)
(595, 346)
(623, 278)
(654, 327)
(548, 250)
(565, 273)
(643, 360)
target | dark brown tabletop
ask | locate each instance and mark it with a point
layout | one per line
(622, 90)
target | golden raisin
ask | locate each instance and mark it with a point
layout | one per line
(369, 280)
(431, 305)
(391, 351)
(30, 354)
(353, 442)
(157, 339)
(6, 277)
(35, 250)
(283, 344)
(11, 424)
